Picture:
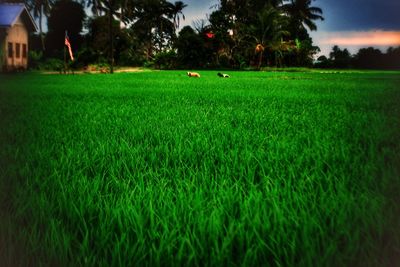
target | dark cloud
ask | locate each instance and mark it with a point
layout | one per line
(342, 15)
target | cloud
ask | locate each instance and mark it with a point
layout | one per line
(361, 38)
(354, 40)
(342, 15)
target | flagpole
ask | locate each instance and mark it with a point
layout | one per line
(65, 55)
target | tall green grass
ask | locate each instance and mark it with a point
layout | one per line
(157, 169)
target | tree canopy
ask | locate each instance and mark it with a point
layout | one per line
(65, 15)
(237, 33)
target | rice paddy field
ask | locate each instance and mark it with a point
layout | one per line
(158, 169)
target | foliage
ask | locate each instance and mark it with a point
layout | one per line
(392, 58)
(66, 15)
(323, 62)
(266, 27)
(366, 58)
(268, 33)
(369, 58)
(51, 64)
(34, 58)
(246, 34)
(176, 12)
(302, 14)
(238, 27)
(40, 9)
(165, 60)
(191, 50)
(154, 26)
(98, 43)
(305, 52)
(340, 58)
(132, 53)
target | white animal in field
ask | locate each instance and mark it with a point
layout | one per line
(223, 75)
(193, 74)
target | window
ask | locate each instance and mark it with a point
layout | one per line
(24, 51)
(17, 50)
(10, 50)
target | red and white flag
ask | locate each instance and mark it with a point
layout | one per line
(68, 44)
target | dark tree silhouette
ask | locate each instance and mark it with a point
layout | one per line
(154, 25)
(302, 14)
(192, 52)
(66, 15)
(176, 12)
(369, 58)
(268, 32)
(340, 58)
(40, 9)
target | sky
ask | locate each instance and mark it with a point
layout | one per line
(350, 24)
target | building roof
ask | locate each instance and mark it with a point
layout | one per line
(9, 14)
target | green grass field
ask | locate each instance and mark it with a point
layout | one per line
(157, 169)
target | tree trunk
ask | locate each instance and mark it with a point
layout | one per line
(40, 29)
(110, 18)
(260, 59)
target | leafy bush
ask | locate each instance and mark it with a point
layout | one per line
(148, 64)
(51, 64)
(88, 56)
(165, 60)
(35, 58)
(224, 61)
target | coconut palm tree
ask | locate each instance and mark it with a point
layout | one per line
(39, 10)
(110, 8)
(268, 31)
(302, 14)
(176, 11)
(95, 6)
(122, 9)
(154, 24)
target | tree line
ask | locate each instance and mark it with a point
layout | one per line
(237, 33)
(241, 34)
(365, 58)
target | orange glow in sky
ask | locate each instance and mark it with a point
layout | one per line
(370, 38)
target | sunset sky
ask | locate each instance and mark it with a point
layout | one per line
(348, 23)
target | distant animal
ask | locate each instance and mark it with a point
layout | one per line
(223, 75)
(193, 74)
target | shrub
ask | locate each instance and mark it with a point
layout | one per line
(35, 58)
(165, 60)
(51, 64)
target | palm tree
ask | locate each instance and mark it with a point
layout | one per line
(302, 13)
(95, 6)
(176, 11)
(40, 8)
(153, 24)
(122, 9)
(109, 7)
(268, 31)
(259, 4)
